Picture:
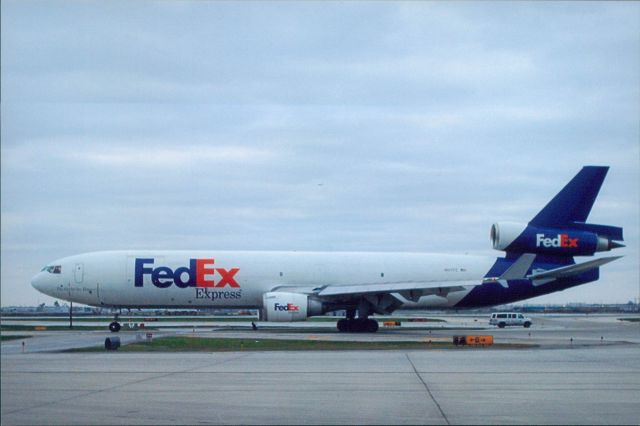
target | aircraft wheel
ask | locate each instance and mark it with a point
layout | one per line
(367, 325)
(357, 326)
(114, 327)
(353, 326)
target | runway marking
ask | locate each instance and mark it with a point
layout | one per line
(129, 383)
(444, 416)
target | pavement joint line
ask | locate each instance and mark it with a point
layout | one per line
(458, 372)
(244, 355)
(444, 416)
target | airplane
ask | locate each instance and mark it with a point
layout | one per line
(292, 286)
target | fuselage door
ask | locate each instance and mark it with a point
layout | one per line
(78, 272)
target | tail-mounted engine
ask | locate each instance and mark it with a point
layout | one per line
(580, 240)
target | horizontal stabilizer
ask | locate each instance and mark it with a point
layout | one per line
(519, 269)
(567, 271)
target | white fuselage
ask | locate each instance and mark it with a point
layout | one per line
(225, 279)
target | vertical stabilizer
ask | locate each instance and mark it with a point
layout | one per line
(574, 202)
(560, 230)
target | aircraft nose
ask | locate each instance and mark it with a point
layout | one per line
(38, 282)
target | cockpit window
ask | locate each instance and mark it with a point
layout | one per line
(53, 269)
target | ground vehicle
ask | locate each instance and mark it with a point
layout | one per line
(502, 319)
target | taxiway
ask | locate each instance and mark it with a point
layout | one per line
(588, 381)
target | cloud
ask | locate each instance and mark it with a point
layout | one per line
(347, 126)
(185, 156)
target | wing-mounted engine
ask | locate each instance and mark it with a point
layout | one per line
(580, 239)
(279, 306)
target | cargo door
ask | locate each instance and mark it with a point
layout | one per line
(78, 273)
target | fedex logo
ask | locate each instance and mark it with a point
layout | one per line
(562, 240)
(200, 273)
(288, 307)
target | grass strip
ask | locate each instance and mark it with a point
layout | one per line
(16, 337)
(197, 344)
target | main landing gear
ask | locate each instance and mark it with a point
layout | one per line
(115, 325)
(362, 324)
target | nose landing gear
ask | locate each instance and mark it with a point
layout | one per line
(115, 325)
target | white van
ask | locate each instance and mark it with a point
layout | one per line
(502, 319)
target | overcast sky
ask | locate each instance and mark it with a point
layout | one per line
(377, 126)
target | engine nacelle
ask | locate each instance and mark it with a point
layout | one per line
(281, 306)
(522, 238)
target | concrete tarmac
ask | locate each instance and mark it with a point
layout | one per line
(592, 379)
(588, 385)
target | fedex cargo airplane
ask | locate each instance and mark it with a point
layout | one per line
(291, 286)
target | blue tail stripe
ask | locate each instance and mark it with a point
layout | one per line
(574, 202)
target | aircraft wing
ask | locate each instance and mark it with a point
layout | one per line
(413, 290)
(410, 290)
(424, 288)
